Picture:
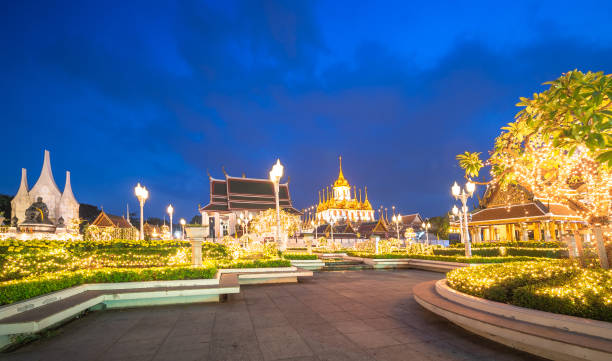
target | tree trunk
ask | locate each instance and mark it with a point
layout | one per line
(601, 247)
(578, 239)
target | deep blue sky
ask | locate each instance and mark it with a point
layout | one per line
(158, 92)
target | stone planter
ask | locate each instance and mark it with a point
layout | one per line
(194, 232)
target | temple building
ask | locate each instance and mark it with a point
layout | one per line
(341, 204)
(233, 197)
(512, 213)
(60, 207)
(116, 226)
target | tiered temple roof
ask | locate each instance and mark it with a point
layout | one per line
(515, 203)
(246, 194)
(108, 220)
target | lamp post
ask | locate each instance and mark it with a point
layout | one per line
(183, 225)
(397, 219)
(275, 176)
(427, 226)
(142, 194)
(332, 221)
(170, 211)
(464, 195)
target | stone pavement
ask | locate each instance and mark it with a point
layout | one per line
(354, 315)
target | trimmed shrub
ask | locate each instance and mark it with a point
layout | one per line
(13, 291)
(299, 256)
(528, 244)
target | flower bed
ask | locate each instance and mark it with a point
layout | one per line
(299, 256)
(558, 286)
(522, 244)
(459, 259)
(17, 290)
(263, 263)
(505, 251)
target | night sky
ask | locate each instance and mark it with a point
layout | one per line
(159, 92)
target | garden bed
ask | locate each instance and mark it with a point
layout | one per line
(558, 286)
(459, 259)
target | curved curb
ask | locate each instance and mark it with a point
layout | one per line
(540, 340)
(562, 322)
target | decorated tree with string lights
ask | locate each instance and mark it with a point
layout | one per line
(265, 223)
(559, 147)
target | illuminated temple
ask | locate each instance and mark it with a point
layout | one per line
(341, 204)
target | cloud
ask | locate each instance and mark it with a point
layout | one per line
(161, 96)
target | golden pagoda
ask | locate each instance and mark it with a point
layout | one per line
(341, 204)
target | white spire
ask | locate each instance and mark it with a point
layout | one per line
(23, 187)
(68, 195)
(46, 175)
(21, 201)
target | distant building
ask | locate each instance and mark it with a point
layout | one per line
(62, 206)
(341, 204)
(117, 226)
(234, 196)
(512, 213)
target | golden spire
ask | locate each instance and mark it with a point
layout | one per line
(366, 203)
(341, 181)
(319, 197)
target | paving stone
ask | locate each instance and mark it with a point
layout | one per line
(372, 339)
(284, 348)
(398, 353)
(353, 315)
(352, 326)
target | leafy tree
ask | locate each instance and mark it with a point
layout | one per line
(559, 147)
(5, 206)
(440, 226)
(197, 219)
(88, 212)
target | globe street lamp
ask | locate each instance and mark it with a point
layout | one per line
(457, 213)
(464, 195)
(170, 211)
(332, 221)
(427, 226)
(397, 220)
(142, 194)
(275, 176)
(182, 221)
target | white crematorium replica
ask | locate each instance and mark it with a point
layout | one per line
(43, 211)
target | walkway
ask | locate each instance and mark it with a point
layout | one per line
(356, 315)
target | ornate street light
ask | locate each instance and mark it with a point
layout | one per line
(170, 211)
(142, 194)
(464, 195)
(275, 176)
(182, 221)
(397, 220)
(427, 226)
(332, 221)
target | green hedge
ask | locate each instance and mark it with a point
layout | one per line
(510, 251)
(253, 263)
(459, 259)
(482, 252)
(587, 294)
(558, 286)
(299, 256)
(13, 291)
(528, 244)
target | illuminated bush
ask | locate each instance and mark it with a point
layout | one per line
(559, 286)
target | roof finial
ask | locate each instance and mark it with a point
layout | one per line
(224, 172)
(208, 173)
